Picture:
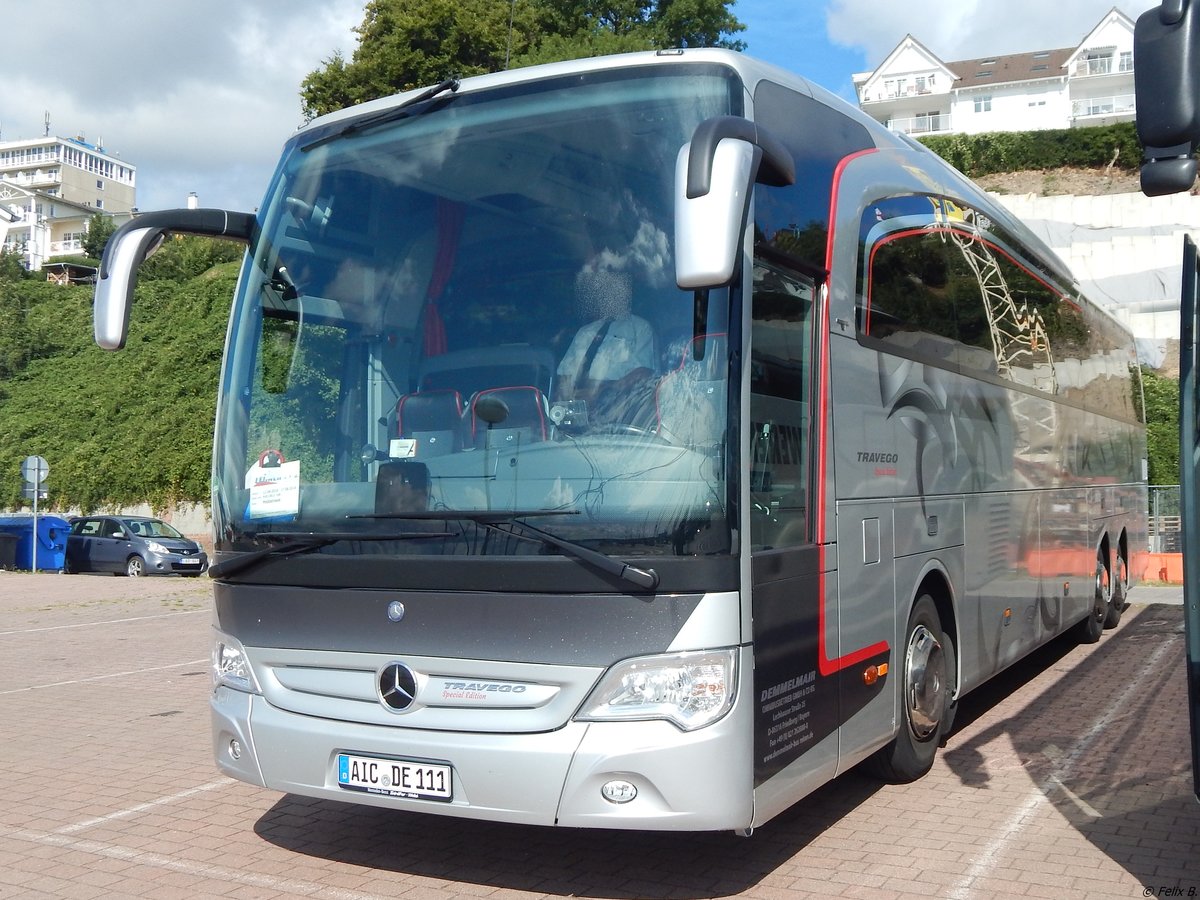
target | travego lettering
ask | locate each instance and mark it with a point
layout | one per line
(868, 457)
(481, 686)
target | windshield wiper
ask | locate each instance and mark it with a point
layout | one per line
(294, 543)
(483, 516)
(647, 579)
(362, 123)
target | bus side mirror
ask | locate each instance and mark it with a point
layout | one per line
(714, 174)
(1166, 78)
(131, 244)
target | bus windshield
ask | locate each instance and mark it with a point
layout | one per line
(461, 316)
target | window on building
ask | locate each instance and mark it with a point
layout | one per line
(926, 121)
(1096, 62)
(1126, 64)
(99, 184)
(983, 103)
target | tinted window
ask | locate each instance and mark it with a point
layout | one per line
(779, 373)
(795, 220)
(940, 282)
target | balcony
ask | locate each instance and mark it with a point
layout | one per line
(1103, 65)
(883, 96)
(1093, 107)
(934, 124)
(33, 179)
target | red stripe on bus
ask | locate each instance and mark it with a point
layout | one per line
(826, 665)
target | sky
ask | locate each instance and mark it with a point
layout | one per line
(200, 96)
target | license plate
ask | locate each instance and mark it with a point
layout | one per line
(395, 777)
(190, 562)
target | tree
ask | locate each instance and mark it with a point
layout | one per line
(404, 44)
(12, 264)
(100, 229)
(1162, 426)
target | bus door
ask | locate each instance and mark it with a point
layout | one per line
(794, 715)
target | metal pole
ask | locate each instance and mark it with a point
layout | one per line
(1189, 490)
(37, 485)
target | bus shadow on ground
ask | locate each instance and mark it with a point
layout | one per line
(1127, 790)
(1107, 745)
(559, 862)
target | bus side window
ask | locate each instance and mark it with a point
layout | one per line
(779, 360)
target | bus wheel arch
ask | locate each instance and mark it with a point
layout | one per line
(927, 669)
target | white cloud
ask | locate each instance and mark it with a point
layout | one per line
(198, 96)
(968, 29)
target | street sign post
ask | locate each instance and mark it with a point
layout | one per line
(34, 470)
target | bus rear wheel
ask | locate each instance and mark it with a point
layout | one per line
(1089, 630)
(927, 691)
(1119, 590)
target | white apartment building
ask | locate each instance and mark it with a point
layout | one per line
(51, 187)
(915, 92)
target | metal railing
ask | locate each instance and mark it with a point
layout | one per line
(1166, 528)
(1106, 65)
(1103, 106)
(920, 124)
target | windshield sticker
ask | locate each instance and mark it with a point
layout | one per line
(402, 448)
(274, 489)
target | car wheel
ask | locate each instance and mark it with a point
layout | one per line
(927, 691)
(135, 567)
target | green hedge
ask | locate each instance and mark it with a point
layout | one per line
(1014, 151)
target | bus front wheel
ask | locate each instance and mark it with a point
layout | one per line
(927, 691)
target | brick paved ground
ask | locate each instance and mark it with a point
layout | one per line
(1068, 778)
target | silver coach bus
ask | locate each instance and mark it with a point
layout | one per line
(639, 442)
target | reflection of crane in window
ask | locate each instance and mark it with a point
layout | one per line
(1019, 340)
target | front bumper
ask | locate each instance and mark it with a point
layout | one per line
(695, 781)
(176, 564)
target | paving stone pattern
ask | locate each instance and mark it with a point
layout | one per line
(1069, 777)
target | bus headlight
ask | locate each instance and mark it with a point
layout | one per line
(230, 667)
(690, 690)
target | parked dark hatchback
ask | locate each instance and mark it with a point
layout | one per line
(131, 545)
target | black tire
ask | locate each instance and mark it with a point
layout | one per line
(1119, 590)
(135, 566)
(927, 674)
(1089, 630)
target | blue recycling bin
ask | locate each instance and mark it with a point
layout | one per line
(51, 541)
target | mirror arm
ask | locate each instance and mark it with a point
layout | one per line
(128, 247)
(776, 168)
